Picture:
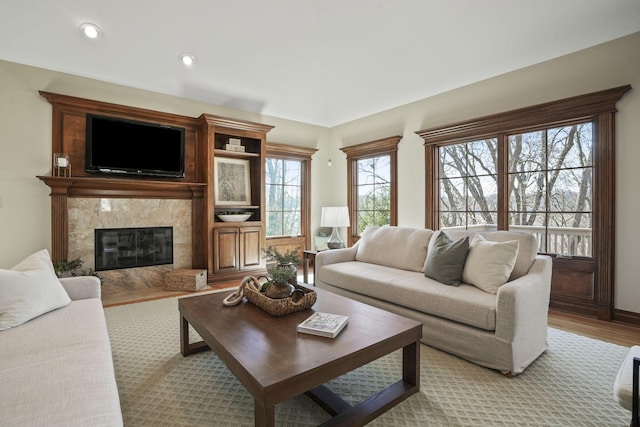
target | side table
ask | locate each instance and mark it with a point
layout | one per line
(306, 256)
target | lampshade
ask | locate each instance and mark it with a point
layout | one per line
(337, 216)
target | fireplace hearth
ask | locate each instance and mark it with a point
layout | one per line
(118, 248)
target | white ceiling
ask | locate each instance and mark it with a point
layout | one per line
(323, 62)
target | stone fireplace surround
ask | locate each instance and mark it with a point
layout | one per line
(87, 214)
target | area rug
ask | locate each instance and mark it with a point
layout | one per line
(569, 385)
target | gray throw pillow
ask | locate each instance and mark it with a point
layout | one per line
(446, 259)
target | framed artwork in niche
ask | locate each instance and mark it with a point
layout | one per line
(232, 182)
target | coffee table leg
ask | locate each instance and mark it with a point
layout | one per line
(411, 364)
(184, 336)
(374, 406)
(264, 416)
(186, 348)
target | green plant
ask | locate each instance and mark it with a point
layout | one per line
(72, 268)
(281, 273)
(283, 268)
(291, 256)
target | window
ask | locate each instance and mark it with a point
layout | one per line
(287, 194)
(546, 170)
(468, 184)
(283, 197)
(372, 181)
(373, 189)
(550, 187)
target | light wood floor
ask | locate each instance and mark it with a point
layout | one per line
(613, 332)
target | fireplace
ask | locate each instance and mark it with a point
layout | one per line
(118, 248)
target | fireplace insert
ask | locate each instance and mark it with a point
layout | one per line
(117, 248)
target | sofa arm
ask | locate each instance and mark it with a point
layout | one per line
(334, 256)
(522, 307)
(82, 287)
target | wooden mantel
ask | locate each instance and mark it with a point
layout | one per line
(123, 188)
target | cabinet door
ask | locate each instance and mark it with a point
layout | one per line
(250, 248)
(226, 250)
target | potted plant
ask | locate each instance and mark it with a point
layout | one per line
(282, 273)
(72, 268)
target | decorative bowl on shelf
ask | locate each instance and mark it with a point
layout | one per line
(234, 217)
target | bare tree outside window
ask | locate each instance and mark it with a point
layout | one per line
(373, 191)
(549, 186)
(468, 184)
(372, 177)
(551, 189)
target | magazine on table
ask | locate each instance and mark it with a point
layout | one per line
(323, 324)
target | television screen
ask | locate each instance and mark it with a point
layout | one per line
(120, 146)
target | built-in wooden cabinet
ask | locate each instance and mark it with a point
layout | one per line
(235, 247)
(228, 250)
(237, 250)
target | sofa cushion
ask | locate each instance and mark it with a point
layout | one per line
(489, 264)
(527, 246)
(57, 370)
(391, 246)
(464, 304)
(30, 289)
(446, 259)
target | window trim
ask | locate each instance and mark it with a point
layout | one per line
(302, 154)
(597, 107)
(380, 147)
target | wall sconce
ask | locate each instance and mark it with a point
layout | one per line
(329, 163)
(335, 217)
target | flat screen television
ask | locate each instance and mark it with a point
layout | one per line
(120, 146)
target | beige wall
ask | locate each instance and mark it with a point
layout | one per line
(25, 141)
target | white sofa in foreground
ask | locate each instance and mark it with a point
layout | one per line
(56, 368)
(500, 323)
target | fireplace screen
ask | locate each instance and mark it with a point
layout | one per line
(117, 248)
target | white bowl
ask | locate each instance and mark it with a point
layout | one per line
(235, 218)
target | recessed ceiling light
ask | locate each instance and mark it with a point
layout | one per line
(187, 59)
(90, 31)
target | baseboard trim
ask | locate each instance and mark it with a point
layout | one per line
(627, 317)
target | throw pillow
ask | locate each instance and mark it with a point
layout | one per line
(29, 290)
(446, 259)
(489, 264)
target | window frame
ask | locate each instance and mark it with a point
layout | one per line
(303, 155)
(381, 147)
(597, 107)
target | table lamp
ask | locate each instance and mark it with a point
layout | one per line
(335, 216)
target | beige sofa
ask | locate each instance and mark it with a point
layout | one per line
(57, 369)
(505, 330)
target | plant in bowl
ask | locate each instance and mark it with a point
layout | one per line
(282, 273)
(291, 256)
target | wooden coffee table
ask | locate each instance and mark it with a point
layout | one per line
(275, 363)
